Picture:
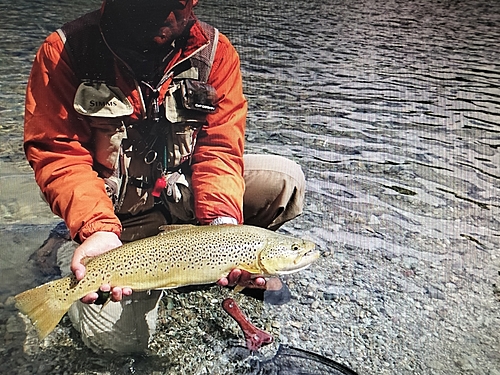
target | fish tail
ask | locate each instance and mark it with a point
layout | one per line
(43, 307)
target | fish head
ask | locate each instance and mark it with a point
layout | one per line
(284, 254)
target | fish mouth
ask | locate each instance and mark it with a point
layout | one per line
(307, 256)
(301, 262)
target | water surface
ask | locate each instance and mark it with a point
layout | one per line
(393, 110)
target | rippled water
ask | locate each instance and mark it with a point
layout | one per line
(391, 107)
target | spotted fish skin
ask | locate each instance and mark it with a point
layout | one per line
(184, 255)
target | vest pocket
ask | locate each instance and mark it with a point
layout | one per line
(140, 168)
(107, 138)
(180, 139)
(97, 99)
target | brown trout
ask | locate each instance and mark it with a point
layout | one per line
(184, 255)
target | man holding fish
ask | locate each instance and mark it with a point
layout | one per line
(135, 119)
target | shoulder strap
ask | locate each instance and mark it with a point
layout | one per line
(204, 59)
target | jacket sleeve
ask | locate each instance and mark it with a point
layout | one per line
(217, 179)
(56, 144)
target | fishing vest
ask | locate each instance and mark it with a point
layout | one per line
(147, 161)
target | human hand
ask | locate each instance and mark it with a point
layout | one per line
(237, 276)
(97, 244)
(242, 278)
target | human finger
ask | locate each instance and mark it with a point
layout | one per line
(231, 279)
(90, 298)
(259, 282)
(223, 281)
(78, 270)
(77, 266)
(116, 294)
(242, 278)
(99, 297)
(234, 276)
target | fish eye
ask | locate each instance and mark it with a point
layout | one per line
(295, 247)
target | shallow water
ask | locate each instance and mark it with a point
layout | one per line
(393, 110)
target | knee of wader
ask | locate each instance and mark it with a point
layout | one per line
(275, 190)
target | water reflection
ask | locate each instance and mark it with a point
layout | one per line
(393, 109)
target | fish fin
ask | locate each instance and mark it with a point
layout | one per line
(238, 288)
(43, 308)
(175, 227)
(254, 270)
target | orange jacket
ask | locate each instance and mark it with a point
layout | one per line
(58, 142)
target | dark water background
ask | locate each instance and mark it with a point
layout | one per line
(393, 110)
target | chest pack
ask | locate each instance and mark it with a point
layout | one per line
(145, 160)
